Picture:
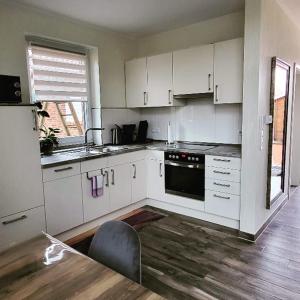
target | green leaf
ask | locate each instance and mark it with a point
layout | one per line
(43, 113)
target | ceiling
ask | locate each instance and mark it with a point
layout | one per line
(139, 17)
(292, 8)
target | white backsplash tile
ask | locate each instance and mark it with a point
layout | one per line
(198, 121)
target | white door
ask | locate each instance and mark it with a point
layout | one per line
(95, 207)
(160, 80)
(20, 162)
(193, 70)
(228, 71)
(155, 179)
(120, 186)
(136, 82)
(139, 181)
(63, 204)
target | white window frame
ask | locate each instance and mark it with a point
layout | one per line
(64, 46)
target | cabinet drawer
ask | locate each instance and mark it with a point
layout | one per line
(94, 164)
(223, 174)
(223, 162)
(222, 204)
(223, 186)
(22, 226)
(61, 171)
(126, 158)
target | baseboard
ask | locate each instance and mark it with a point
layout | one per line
(254, 237)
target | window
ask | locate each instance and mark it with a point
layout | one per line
(59, 79)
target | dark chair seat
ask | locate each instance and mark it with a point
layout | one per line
(117, 245)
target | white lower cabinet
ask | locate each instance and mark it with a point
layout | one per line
(22, 226)
(119, 186)
(222, 204)
(223, 186)
(63, 204)
(94, 208)
(156, 176)
(138, 181)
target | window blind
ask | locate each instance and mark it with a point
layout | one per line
(57, 75)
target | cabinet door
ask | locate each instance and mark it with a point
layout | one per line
(21, 185)
(136, 82)
(139, 181)
(21, 227)
(63, 204)
(155, 179)
(120, 186)
(95, 207)
(228, 71)
(193, 70)
(159, 69)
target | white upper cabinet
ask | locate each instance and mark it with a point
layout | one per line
(136, 82)
(160, 80)
(193, 70)
(228, 71)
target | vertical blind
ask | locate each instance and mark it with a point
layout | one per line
(57, 75)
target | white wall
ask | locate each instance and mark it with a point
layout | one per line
(110, 117)
(268, 32)
(206, 32)
(17, 20)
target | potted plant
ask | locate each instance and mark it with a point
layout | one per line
(49, 138)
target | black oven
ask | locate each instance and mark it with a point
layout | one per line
(185, 174)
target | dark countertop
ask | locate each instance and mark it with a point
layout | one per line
(72, 156)
(45, 268)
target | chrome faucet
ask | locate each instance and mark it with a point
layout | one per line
(86, 134)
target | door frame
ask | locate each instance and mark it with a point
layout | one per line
(296, 68)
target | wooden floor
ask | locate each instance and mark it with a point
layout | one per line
(186, 259)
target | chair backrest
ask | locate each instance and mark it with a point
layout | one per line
(117, 245)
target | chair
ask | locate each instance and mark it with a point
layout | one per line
(117, 245)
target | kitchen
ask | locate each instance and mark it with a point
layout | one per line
(148, 125)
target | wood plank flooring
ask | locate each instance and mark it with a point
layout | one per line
(184, 258)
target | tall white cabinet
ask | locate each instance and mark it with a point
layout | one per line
(21, 190)
(193, 70)
(228, 71)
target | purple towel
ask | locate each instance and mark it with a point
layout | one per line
(97, 186)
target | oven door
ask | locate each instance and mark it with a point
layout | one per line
(185, 179)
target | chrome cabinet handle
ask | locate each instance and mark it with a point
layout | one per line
(222, 197)
(170, 93)
(209, 77)
(160, 169)
(145, 98)
(112, 177)
(222, 184)
(35, 122)
(221, 159)
(220, 172)
(14, 220)
(63, 169)
(217, 93)
(134, 171)
(107, 178)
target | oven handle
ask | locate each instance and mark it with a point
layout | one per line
(184, 165)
